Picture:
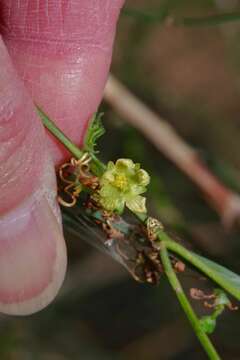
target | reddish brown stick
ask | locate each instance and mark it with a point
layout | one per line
(165, 138)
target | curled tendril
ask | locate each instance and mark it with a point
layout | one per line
(79, 169)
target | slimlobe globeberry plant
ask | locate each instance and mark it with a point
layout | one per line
(97, 196)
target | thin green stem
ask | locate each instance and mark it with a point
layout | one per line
(173, 280)
(74, 150)
(211, 20)
(55, 131)
(214, 271)
(100, 167)
(200, 263)
(145, 16)
(165, 244)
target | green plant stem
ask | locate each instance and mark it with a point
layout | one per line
(74, 150)
(211, 20)
(197, 261)
(98, 167)
(145, 16)
(55, 131)
(173, 280)
(165, 243)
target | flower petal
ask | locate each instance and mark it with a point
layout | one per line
(142, 177)
(137, 204)
(109, 203)
(110, 165)
(124, 164)
(109, 191)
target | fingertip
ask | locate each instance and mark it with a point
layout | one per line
(32, 248)
(32, 258)
(62, 50)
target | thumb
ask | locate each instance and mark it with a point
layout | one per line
(32, 248)
(62, 51)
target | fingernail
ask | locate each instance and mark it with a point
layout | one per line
(32, 257)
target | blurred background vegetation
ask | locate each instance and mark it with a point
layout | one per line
(190, 75)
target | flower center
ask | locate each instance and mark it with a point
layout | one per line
(120, 182)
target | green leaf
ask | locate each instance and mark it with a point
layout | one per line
(94, 132)
(227, 279)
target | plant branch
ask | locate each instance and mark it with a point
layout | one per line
(55, 131)
(201, 264)
(210, 20)
(176, 286)
(73, 149)
(225, 278)
(145, 16)
(161, 134)
(165, 243)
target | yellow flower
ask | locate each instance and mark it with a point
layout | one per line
(122, 184)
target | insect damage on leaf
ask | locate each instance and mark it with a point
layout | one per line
(94, 132)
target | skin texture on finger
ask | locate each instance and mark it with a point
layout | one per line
(62, 50)
(32, 248)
